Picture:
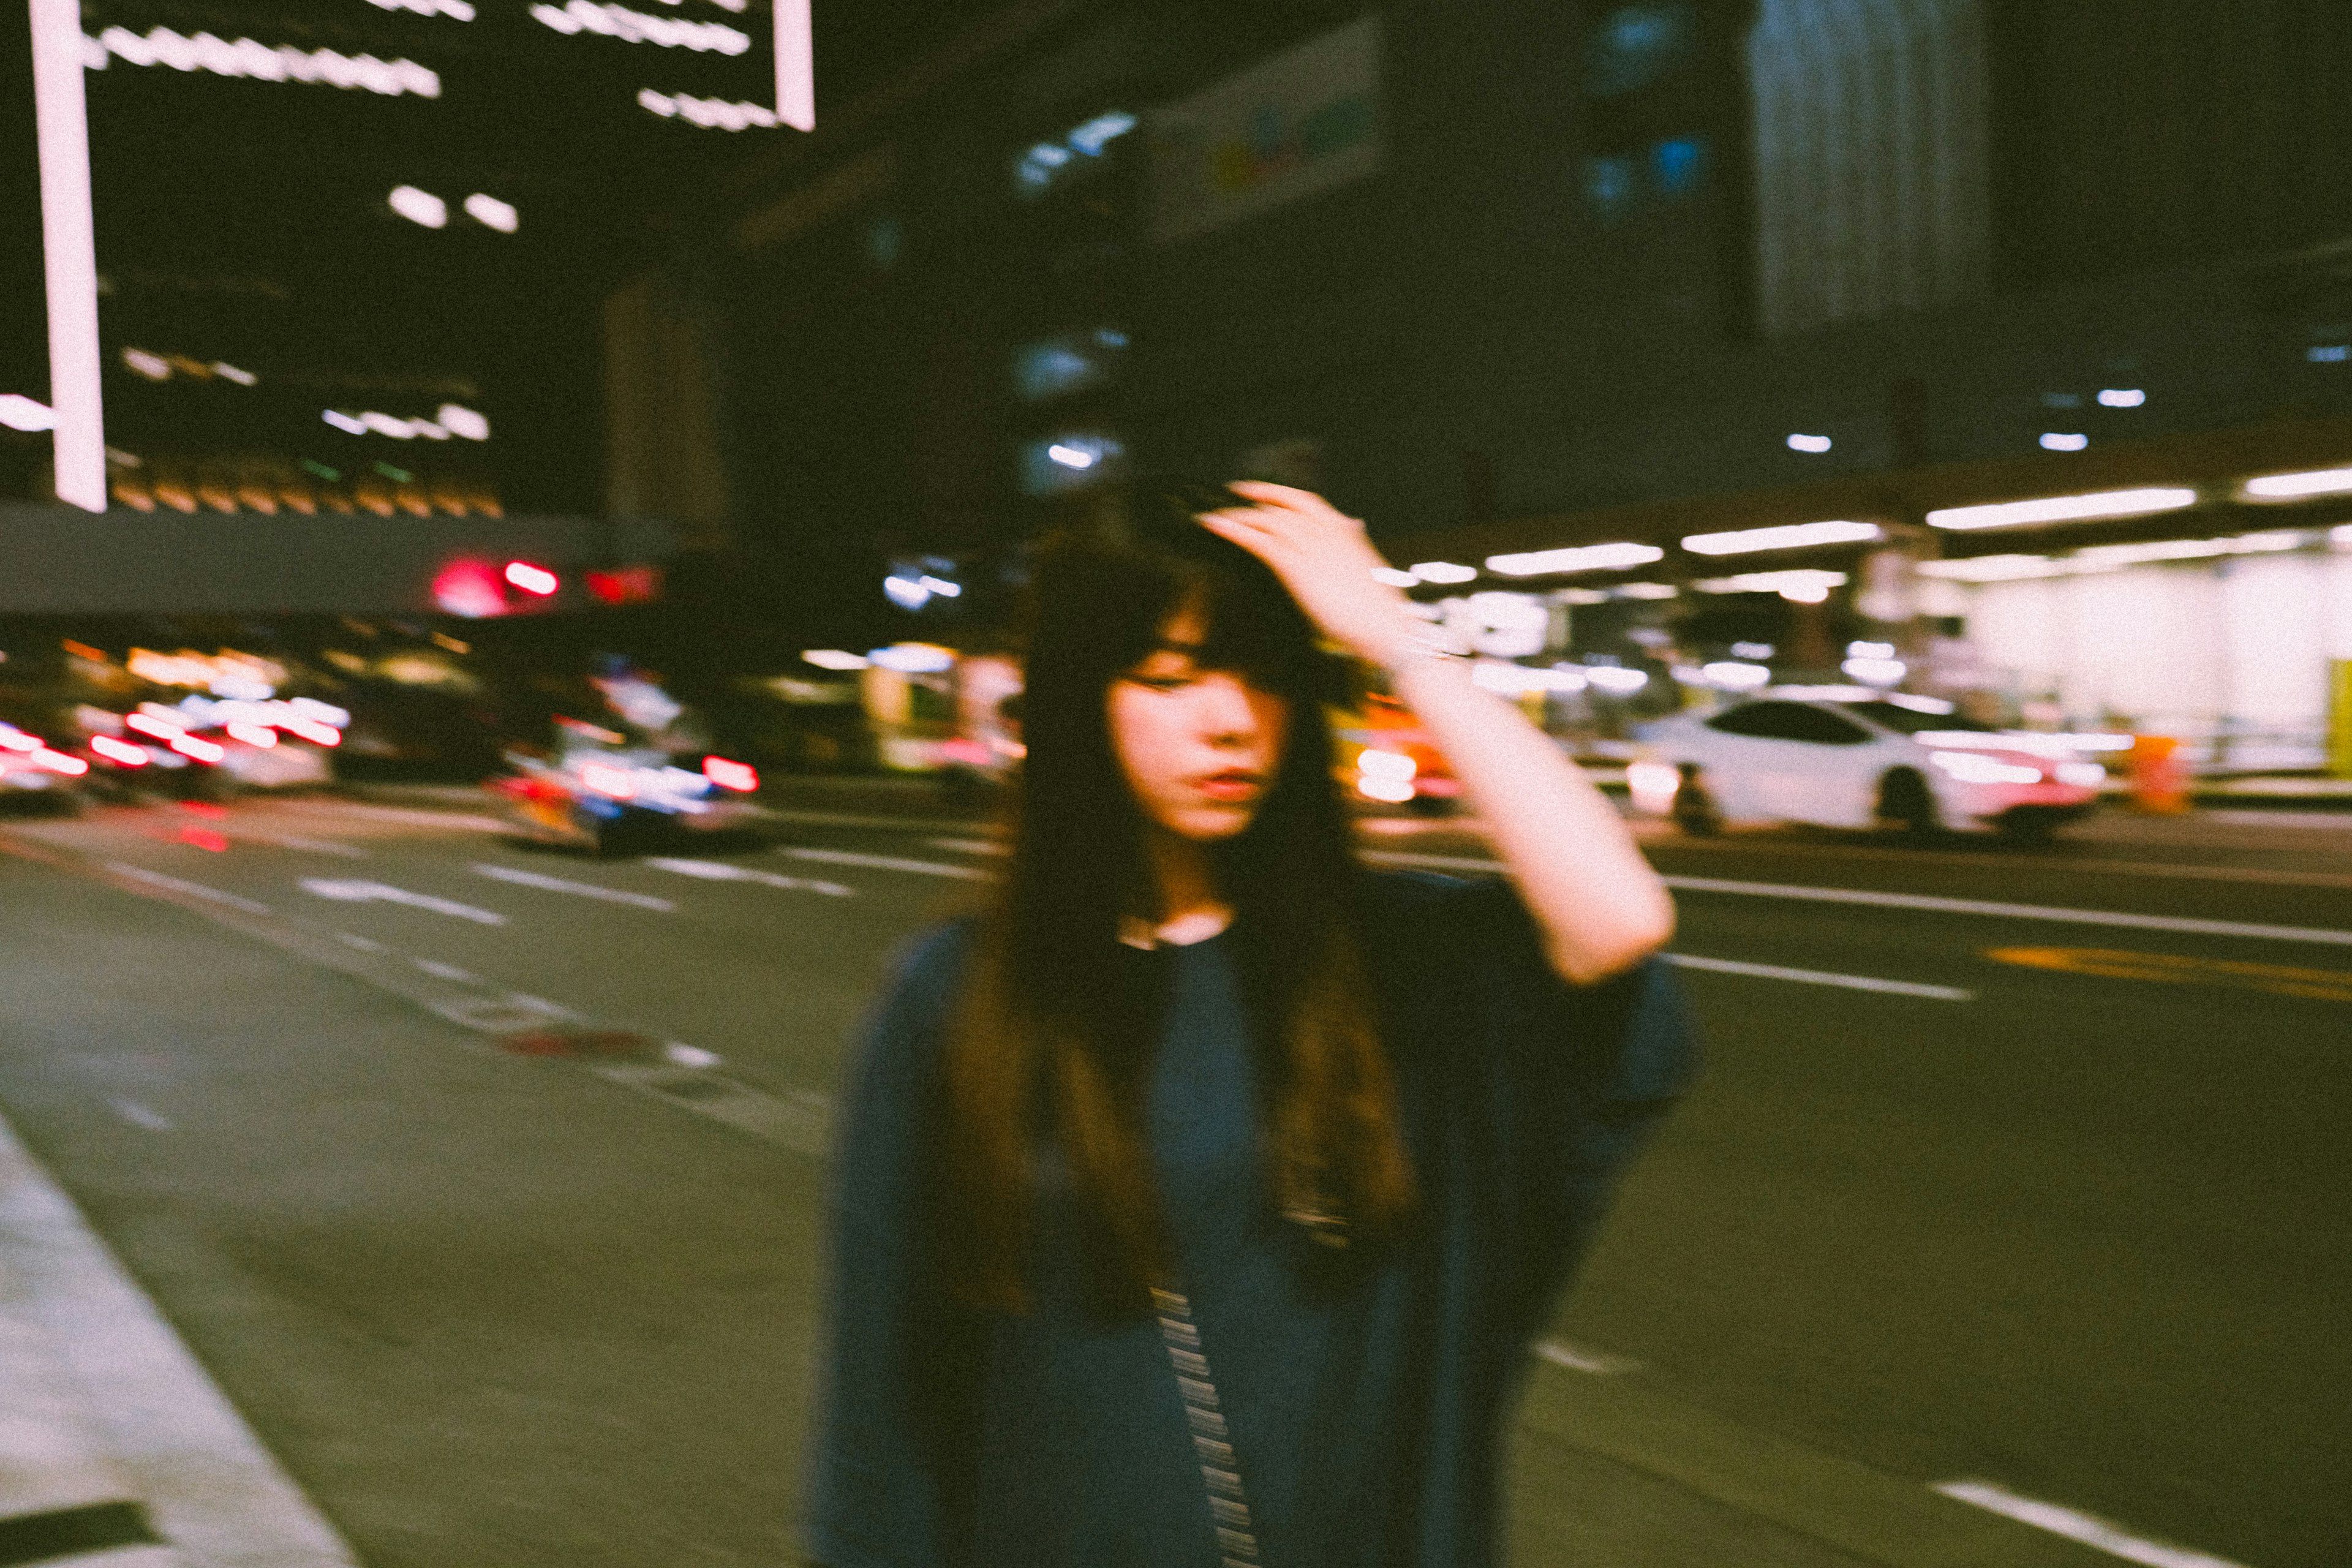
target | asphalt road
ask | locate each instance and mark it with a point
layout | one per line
(486, 1181)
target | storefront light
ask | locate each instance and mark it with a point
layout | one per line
(1614, 557)
(2141, 503)
(2299, 486)
(1785, 536)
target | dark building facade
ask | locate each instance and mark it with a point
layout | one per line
(1508, 277)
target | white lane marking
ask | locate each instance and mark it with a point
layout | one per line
(1576, 1358)
(973, 845)
(540, 1005)
(359, 943)
(440, 970)
(1933, 905)
(2076, 1525)
(469, 821)
(177, 885)
(1929, 903)
(313, 846)
(358, 892)
(888, 863)
(1821, 977)
(139, 1115)
(720, 871)
(540, 879)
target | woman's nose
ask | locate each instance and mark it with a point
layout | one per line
(1226, 713)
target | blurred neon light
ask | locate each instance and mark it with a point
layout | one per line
(1579, 558)
(492, 213)
(1809, 443)
(835, 659)
(123, 751)
(2298, 487)
(470, 588)
(1736, 675)
(1072, 457)
(310, 730)
(532, 579)
(348, 424)
(2065, 509)
(1786, 536)
(260, 735)
(197, 746)
(1101, 130)
(710, 113)
(260, 62)
(20, 412)
(637, 28)
(1394, 577)
(228, 372)
(14, 740)
(2121, 398)
(462, 422)
(419, 206)
(456, 9)
(740, 776)
(58, 763)
(1443, 572)
(162, 729)
(69, 254)
(795, 65)
(914, 658)
(604, 779)
(2061, 441)
(1616, 680)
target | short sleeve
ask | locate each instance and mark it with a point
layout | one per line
(1548, 1090)
(879, 1492)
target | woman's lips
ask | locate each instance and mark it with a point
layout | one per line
(1229, 787)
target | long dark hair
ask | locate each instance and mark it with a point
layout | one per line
(1053, 1042)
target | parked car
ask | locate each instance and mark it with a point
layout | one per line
(1858, 759)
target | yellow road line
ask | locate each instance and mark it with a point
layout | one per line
(2278, 979)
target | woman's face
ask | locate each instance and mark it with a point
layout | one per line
(1199, 747)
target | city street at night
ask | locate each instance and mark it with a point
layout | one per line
(486, 1181)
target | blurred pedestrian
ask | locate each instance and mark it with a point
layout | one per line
(1198, 1200)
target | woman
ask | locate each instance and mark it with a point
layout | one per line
(1198, 1200)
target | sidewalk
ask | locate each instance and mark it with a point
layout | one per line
(116, 1449)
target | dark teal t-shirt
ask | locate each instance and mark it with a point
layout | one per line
(1366, 1405)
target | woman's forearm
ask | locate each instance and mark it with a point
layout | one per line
(1599, 905)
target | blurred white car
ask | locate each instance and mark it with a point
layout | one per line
(1858, 759)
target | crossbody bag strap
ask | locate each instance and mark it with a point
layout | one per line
(1213, 1438)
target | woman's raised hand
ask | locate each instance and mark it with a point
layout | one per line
(1324, 558)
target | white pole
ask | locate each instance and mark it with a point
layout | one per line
(69, 251)
(795, 65)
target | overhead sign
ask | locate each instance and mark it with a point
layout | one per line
(1308, 119)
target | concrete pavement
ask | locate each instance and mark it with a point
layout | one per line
(1896, 1242)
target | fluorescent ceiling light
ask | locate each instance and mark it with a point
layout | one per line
(2299, 486)
(419, 206)
(2065, 509)
(795, 65)
(2122, 397)
(68, 256)
(1577, 558)
(1644, 591)
(2058, 441)
(1805, 587)
(492, 213)
(1786, 536)
(1809, 443)
(1443, 572)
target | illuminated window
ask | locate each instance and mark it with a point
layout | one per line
(1636, 45)
(1065, 362)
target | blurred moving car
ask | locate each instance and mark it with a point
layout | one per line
(35, 776)
(1390, 758)
(1854, 757)
(599, 793)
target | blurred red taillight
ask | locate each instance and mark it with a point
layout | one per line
(731, 775)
